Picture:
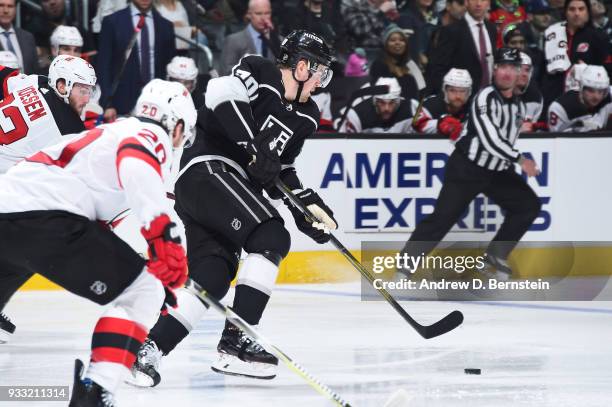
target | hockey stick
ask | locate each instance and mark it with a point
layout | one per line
(128, 52)
(446, 324)
(359, 93)
(260, 339)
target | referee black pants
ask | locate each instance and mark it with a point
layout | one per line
(463, 181)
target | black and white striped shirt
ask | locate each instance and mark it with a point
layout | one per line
(493, 126)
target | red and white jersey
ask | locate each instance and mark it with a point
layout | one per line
(99, 174)
(27, 123)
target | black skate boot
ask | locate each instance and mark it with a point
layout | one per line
(86, 393)
(145, 372)
(240, 355)
(7, 328)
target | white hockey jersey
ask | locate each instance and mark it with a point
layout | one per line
(99, 174)
(569, 114)
(31, 119)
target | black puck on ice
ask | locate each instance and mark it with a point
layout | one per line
(471, 371)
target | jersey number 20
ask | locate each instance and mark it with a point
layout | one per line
(12, 119)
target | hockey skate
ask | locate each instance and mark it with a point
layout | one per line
(496, 267)
(239, 355)
(145, 372)
(7, 328)
(86, 393)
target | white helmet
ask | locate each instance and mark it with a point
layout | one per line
(594, 76)
(66, 35)
(526, 60)
(168, 103)
(457, 78)
(72, 70)
(395, 89)
(9, 59)
(182, 68)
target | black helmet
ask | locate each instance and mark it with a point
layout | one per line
(506, 55)
(301, 44)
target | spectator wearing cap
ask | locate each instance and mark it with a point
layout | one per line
(365, 21)
(395, 62)
(505, 12)
(569, 42)
(422, 19)
(539, 18)
(467, 44)
(18, 41)
(357, 64)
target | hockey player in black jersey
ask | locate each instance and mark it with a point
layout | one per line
(444, 113)
(386, 113)
(530, 95)
(250, 131)
(586, 109)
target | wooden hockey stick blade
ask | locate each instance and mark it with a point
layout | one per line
(446, 324)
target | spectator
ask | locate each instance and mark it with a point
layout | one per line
(54, 14)
(259, 37)
(505, 12)
(319, 17)
(454, 11)
(586, 109)
(538, 20)
(154, 49)
(388, 113)
(569, 42)
(422, 20)
(445, 112)
(528, 91)
(16, 40)
(466, 44)
(173, 11)
(365, 20)
(395, 62)
(357, 64)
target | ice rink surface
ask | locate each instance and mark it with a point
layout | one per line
(531, 354)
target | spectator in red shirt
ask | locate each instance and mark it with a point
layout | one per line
(504, 12)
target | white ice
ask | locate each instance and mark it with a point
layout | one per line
(531, 354)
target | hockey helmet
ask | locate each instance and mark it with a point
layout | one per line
(72, 70)
(66, 35)
(394, 92)
(506, 55)
(9, 59)
(183, 69)
(304, 45)
(458, 78)
(168, 103)
(594, 76)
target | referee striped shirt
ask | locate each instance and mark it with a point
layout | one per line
(493, 126)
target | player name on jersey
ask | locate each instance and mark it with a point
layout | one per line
(32, 103)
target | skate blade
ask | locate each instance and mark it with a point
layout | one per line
(5, 336)
(232, 366)
(140, 379)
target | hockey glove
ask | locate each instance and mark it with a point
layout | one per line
(265, 164)
(450, 127)
(317, 231)
(167, 259)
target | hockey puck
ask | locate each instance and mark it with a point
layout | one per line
(471, 371)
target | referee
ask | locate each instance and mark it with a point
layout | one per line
(483, 162)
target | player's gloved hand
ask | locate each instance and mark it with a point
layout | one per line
(167, 260)
(450, 127)
(265, 164)
(317, 231)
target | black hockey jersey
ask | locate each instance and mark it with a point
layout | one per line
(363, 118)
(241, 105)
(569, 114)
(430, 110)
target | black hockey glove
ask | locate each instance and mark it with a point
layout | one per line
(317, 231)
(265, 164)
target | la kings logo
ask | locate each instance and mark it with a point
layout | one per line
(273, 125)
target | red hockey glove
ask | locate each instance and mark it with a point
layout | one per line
(450, 127)
(167, 259)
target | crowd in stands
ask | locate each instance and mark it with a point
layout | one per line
(416, 42)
